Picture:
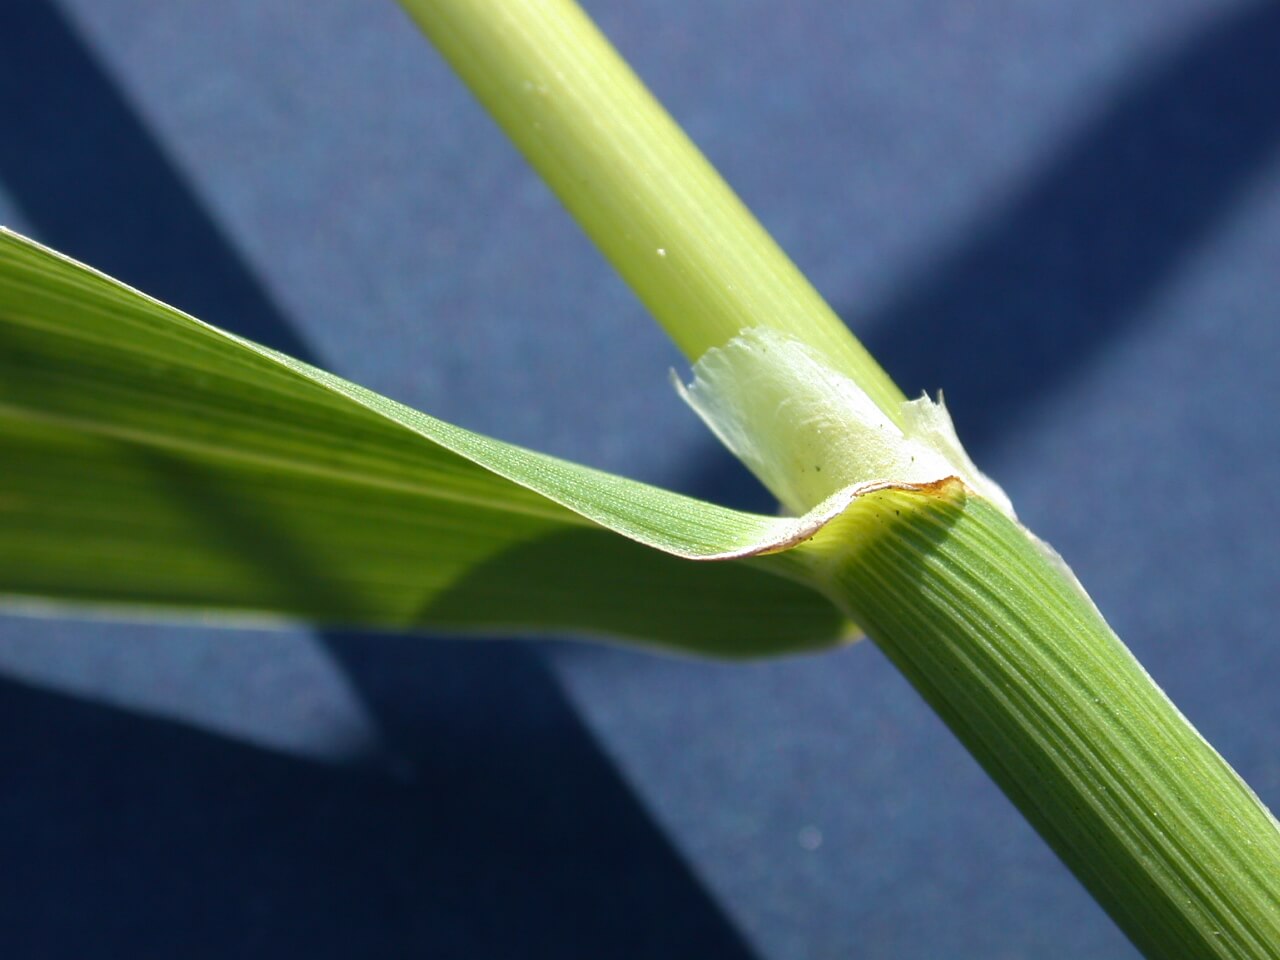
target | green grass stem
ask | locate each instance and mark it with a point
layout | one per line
(995, 634)
(1027, 674)
(641, 190)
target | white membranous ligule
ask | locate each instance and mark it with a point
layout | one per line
(809, 432)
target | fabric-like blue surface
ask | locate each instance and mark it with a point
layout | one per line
(1067, 215)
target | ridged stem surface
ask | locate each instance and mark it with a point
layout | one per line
(1027, 674)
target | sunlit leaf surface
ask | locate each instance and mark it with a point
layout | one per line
(148, 460)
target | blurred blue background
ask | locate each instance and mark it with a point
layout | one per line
(1065, 214)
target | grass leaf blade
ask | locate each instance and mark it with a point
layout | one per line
(150, 459)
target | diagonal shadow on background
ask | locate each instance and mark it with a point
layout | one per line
(493, 826)
(132, 836)
(1035, 291)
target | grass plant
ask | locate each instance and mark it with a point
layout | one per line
(155, 462)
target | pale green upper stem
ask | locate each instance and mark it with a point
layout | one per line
(641, 190)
